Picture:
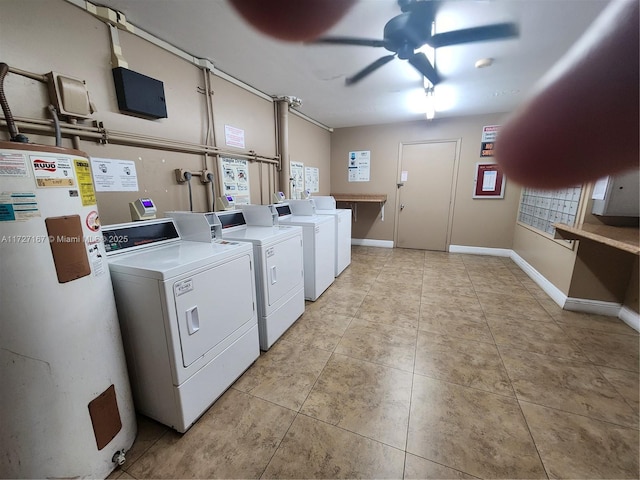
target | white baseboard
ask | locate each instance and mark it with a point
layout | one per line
(549, 288)
(494, 252)
(598, 307)
(630, 317)
(367, 242)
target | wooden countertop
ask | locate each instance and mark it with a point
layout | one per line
(622, 238)
(359, 197)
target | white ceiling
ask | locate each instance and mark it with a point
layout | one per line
(211, 29)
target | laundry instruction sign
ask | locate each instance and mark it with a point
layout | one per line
(359, 166)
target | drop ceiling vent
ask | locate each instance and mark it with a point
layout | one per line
(138, 94)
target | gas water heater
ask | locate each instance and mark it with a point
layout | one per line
(66, 407)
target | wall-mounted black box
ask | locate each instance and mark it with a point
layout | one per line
(139, 94)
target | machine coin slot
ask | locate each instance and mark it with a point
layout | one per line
(193, 320)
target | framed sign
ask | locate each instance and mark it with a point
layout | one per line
(489, 181)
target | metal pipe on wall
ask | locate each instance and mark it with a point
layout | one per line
(283, 147)
(102, 135)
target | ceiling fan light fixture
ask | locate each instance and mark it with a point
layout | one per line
(430, 104)
(484, 62)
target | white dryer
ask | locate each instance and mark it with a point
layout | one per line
(188, 317)
(319, 247)
(326, 205)
(278, 252)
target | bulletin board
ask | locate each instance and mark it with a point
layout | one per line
(489, 181)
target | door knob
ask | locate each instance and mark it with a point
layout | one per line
(402, 206)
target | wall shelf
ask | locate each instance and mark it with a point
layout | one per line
(355, 198)
(622, 238)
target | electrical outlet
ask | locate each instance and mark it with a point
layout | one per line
(204, 176)
(180, 175)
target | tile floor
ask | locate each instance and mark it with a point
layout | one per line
(420, 364)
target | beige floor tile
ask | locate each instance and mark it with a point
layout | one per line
(566, 385)
(573, 446)
(453, 300)
(314, 449)
(406, 305)
(318, 330)
(395, 319)
(539, 337)
(337, 302)
(501, 286)
(430, 290)
(149, 432)
(362, 397)
(476, 432)
(591, 321)
(391, 289)
(626, 383)
(513, 306)
(235, 438)
(383, 344)
(419, 468)
(607, 349)
(551, 307)
(472, 364)
(469, 325)
(285, 374)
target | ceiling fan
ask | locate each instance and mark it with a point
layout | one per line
(410, 30)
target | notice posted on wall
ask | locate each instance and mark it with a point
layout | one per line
(312, 179)
(112, 175)
(489, 135)
(234, 173)
(233, 136)
(359, 166)
(297, 184)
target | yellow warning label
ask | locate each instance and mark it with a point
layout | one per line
(85, 182)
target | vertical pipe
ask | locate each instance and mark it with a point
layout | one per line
(75, 138)
(283, 143)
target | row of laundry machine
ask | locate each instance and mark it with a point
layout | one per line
(200, 294)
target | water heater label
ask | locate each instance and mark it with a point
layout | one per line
(13, 164)
(18, 206)
(52, 171)
(180, 288)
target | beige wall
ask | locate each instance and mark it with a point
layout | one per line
(78, 45)
(483, 223)
(554, 261)
(311, 145)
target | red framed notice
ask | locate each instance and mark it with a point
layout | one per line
(489, 181)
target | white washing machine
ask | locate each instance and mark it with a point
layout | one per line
(319, 247)
(278, 255)
(326, 205)
(188, 317)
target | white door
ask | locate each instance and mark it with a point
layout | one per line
(284, 267)
(214, 304)
(425, 197)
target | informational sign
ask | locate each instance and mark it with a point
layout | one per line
(297, 184)
(234, 173)
(52, 171)
(18, 206)
(85, 184)
(489, 181)
(600, 188)
(233, 136)
(489, 135)
(312, 179)
(111, 175)
(13, 164)
(359, 166)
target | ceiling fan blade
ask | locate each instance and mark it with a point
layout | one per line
(475, 34)
(369, 69)
(364, 42)
(422, 64)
